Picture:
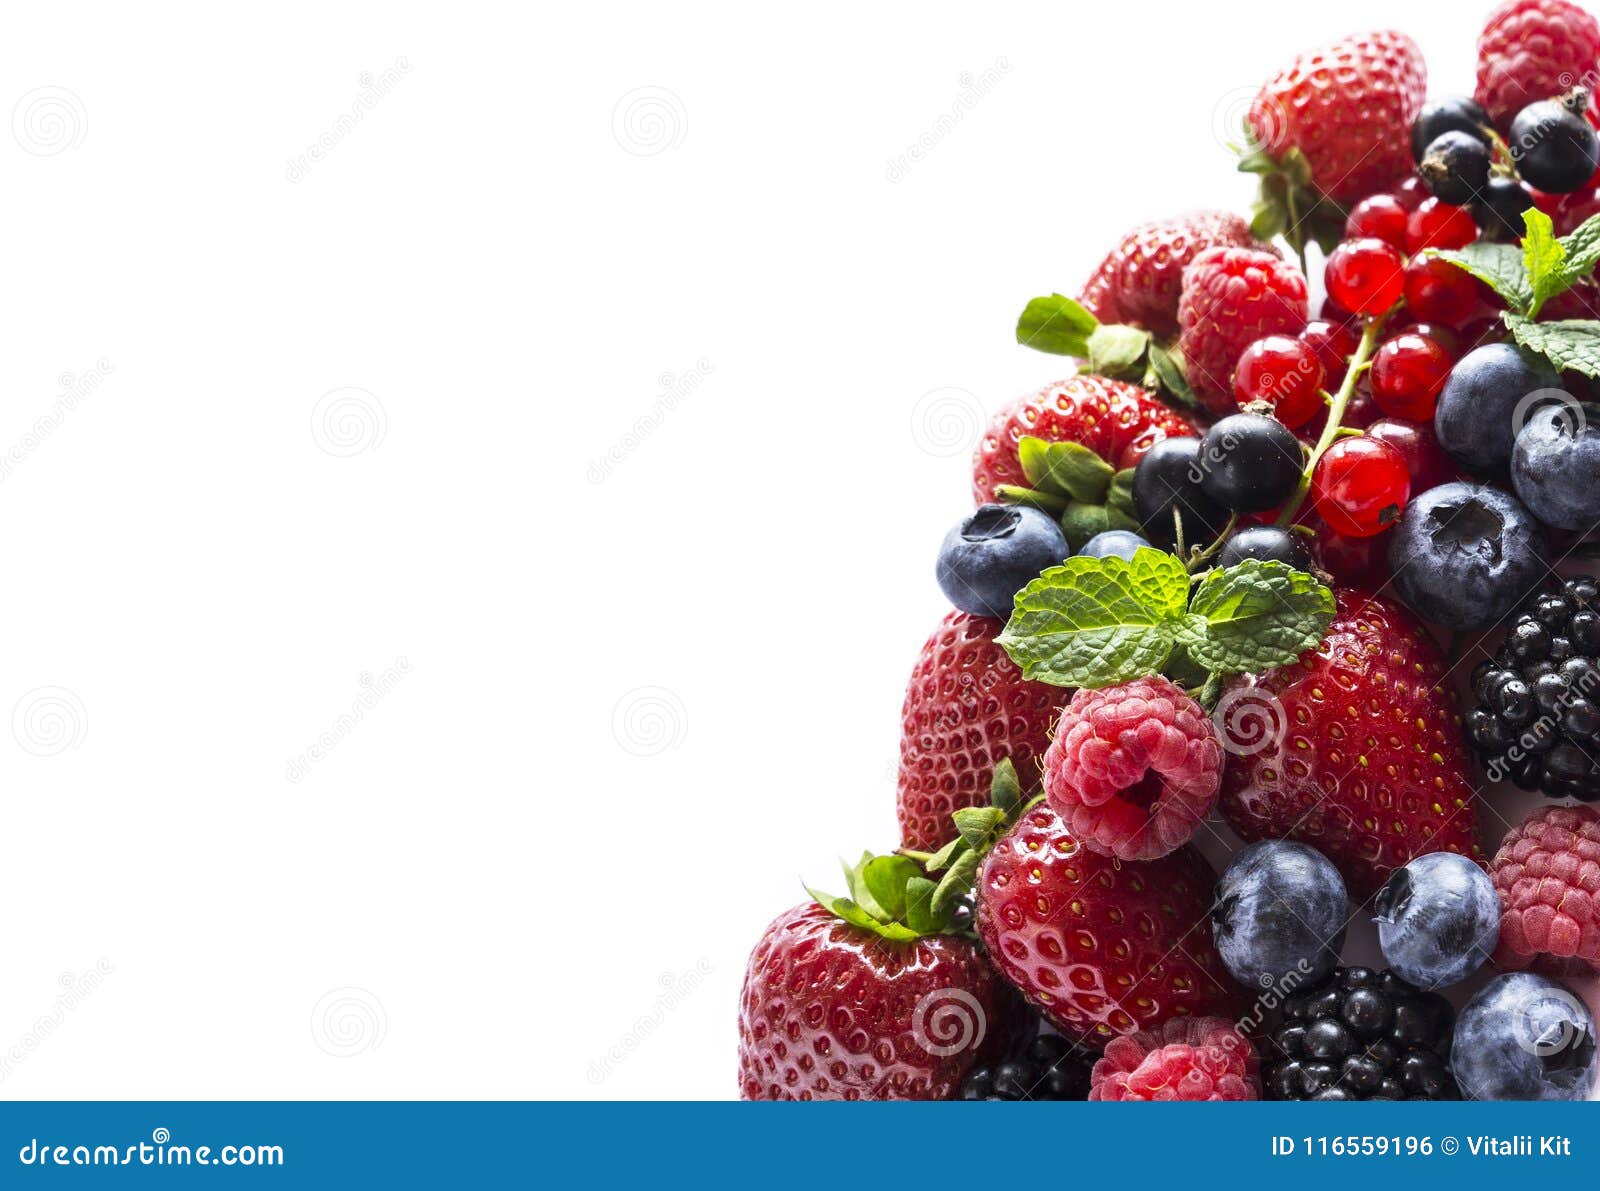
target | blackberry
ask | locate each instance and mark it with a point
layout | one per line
(1361, 1035)
(1537, 722)
(1048, 1068)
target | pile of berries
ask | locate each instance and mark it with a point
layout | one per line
(1205, 576)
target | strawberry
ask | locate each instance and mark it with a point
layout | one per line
(1355, 749)
(1117, 421)
(869, 997)
(1232, 297)
(1102, 947)
(1139, 280)
(1531, 50)
(967, 707)
(1334, 124)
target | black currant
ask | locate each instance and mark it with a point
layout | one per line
(1500, 208)
(1455, 168)
(1250, 463)
(1267, 543)
(1439, 116)
(1167, 480)
(1553, 146)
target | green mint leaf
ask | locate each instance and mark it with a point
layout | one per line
(1544, 259)
(1118, 351)
(1499, 266)
(1056, 324)
(1065, 468)
(921, 914)
(1005, 789)
(843, 907)
(1572, 343)
(1255, 616)
(1583, 247)
(1093, 622)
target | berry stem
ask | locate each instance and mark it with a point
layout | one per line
(912, 854)
(1341, 400)
(1200, 557)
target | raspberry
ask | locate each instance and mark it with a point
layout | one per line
(1531, 50)
(1133, 769)
(1186, 1058)
(1231, 298)
(1547, 873)
(1139, 280)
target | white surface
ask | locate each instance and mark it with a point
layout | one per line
(626, 699)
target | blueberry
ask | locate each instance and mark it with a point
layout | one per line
(1250, 463)
(1474, 417)
(1463, 555)
(994, 554)
(1456, 167)
(1113, 543)
(1500, 208)
(1168, 479)
(1267, 543)
(1553, 146)
(1439, 116)
(1438, 919)
(1280, 911)
(1554, 463)
(1524, 1037)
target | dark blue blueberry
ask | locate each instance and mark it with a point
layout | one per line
(994, 554)
(1524, 1037)
(1477, 408)
(1438, 919)
(1555, 465)
(1280, 914)
(1463, 555)
(1268, 543)
(1113, 543)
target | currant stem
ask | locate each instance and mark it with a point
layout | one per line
(1200, 556)
(1359, 363)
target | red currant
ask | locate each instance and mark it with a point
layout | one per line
(1410, 193)
(1426, 460)
(1550, 204)
(1380, 217)
(1577, 208)
(1284, 372)
(1445, 337)
(1408, 373)
(1354, 562)
(1439, 225)
(1334, 344)
(1439, 292)
(1365, 276)
(1359, 487)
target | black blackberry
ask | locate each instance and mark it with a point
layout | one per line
(1048, 1068)
(1537, 722)
(1361, 1035)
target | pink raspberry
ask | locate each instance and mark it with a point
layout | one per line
(1547, 873)
(1133, 769)
(1230, 298)
(1186, 1058)
(1534, 49)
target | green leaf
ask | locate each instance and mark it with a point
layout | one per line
(1056, 324)
(1014, 494)
(1066, 468)
(1583, 247)
(843, 907)
(1005, 789)
(1255, 616)
(1544, 259)
(1082, 521)
(1165, 373)
(958, 882)
(1499, 266)
(941, 858)
(1120, 511)
(1097, 621)
(921, 914)
(886, 877)
(977, 824)
(1118, 351)
(1569, 344)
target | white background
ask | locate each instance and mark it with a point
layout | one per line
(653, 378)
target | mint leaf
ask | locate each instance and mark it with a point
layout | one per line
(1583, 247)
(1056, 324)
(1544, 260)
(1499, 266)
(1255, 616)
(1094, 622)
(1572, 343)
(1066, 468)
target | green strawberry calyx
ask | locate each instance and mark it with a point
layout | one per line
(1063, 326)
(1289, 204)
(1074, 485)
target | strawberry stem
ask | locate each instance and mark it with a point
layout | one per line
(1359, 363)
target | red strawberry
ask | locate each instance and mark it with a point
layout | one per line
(1232, 297)
(1355, 749)
(865, 1008)
(1117, 421)
(1102, 947)
(1139, 280)
(1531, 50)
(1348, 109)
(967, 708)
